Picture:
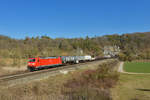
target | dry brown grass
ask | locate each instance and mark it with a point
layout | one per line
(47, 89)
(7, 66)
(91, 84)
(132, 87)
(9, 62)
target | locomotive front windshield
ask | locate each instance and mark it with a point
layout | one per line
(32, 60)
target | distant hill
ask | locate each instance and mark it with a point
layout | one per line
(133, 46)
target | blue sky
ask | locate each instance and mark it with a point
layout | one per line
(73, 18)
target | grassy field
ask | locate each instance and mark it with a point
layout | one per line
(138, 67)
(132, 87)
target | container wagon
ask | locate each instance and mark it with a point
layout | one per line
(70, 59)
(76, 59)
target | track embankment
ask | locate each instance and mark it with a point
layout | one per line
(8, 81)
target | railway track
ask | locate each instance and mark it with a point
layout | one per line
(26, 77)
(26, 73)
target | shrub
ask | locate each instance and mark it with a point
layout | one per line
(92, 84)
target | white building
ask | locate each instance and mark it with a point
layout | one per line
(111, 51)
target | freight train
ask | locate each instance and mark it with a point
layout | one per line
(40, 63)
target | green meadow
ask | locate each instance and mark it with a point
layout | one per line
(137, 67)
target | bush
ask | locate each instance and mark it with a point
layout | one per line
(91, 84)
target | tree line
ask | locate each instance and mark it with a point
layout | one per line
(133, 46)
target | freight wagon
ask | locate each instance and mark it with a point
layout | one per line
(70, 59)
(75, 59)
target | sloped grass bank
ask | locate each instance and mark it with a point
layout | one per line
(132, 87)
(137, 67)
(85, 84)
(92, 84)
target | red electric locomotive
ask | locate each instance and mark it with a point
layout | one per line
(38, 63)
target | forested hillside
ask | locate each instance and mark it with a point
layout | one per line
(133, 46)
